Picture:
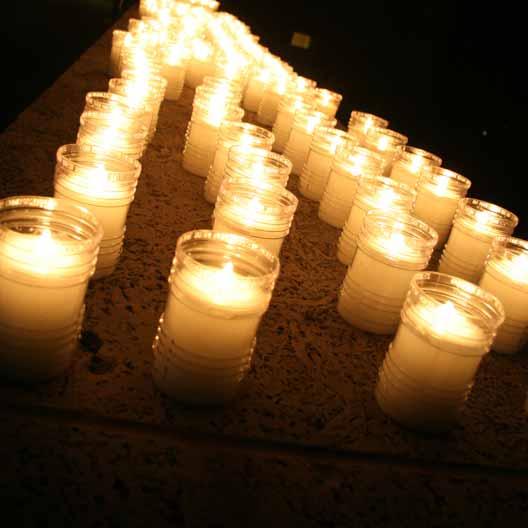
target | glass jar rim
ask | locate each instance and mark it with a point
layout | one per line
(86, 233)
(333, 96)
(244, 154)
(410, 152)
(370, 184)
(377, 131)
(496, 216)
(97, 118)
(231, 130)
(455, 181)
(364, 116)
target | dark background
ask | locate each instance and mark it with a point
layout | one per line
(450, 75)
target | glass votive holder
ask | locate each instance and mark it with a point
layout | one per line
(113, 133)
(233, 133)
(201, 63)
(475, 226)
(321, 154)
(118, 37)
(408, 167)
(447, 326)
(387, 143)
(289, 106)
(392, 247)
(506, 276)
(349, 167)
(222, 87)
(48, 252)
(361, 123)
(104, 183)
(271, 98)
(220, 286)
(438, 193)
(256, 85)
(143, 62)
(262, 211)
(173, 69)
(201, 136)
(372, 193)
(327, 101)
(301, 135)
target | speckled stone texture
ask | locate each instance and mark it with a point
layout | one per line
(304, 443)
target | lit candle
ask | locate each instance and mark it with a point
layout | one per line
(290, 105)
(200, 64)
(303, 129)
(392, 247)
(174, 66)
(506, 277)
(438, 193)
(48, 251)
(104, 183)
(113, 132)
(387, 143)
(373, 193)
(361, 123)
(447, 327)
(261, 211)
(349, 167)
(323, 148)
(412, 161)
(220, 287)
(118, 37)
(327, 101)
(475, 226)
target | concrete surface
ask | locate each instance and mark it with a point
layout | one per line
(304, 444)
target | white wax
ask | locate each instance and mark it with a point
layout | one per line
(437, 209)
(175, 75)
(464, 255)
(297, 148)
(199, 148)
(405, 173)
(347, 245)
(253, 96)
(268, 108)
(281, 130)
(338, 197)
(315, 174)
(118, 37)
(196, 71)
(508, 281)
(373, 293)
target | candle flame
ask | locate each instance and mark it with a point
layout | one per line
(517, 267)
(45, 251)
(383, 143)
(395, 244)
(385, 199)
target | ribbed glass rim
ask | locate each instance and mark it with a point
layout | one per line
(244, 155)
(360, 116)
(411, 152)
(486, 214)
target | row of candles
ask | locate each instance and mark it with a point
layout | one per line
(395, 204)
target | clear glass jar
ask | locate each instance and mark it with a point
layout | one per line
(323, 149)
(447, 326)
(408, 167)
(349, 167)
(506, 276)
(438, 193)
(112, 133)
(175, 61)
(48, 252)
(118, 38)
(220, 286)
(221, 87)
(141, 60)
(233, 133)
(372, 193)
(475, 226)
(261, 211)
(271, 98)
(300, 138)
(392, 247)
(201, 136)
(361, 122)
(201, 62)
(387, 143)
(327, 101)
(105, 183)
(290, 105)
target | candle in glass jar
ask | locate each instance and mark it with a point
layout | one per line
(392, 247)
(104, 183)
(327, 101)
(201, 63)
(361, 123)
(475, 226)
(373, 193)
(387, 143)
(290, 105)
(245, 136)
(261, 211)
(118, 37)
(506, 277)
(323, 148)
(303, 129)
(173, 69)
(438, 193)
(48, 251)
(221, 283)
(408, 167)
(447, 326)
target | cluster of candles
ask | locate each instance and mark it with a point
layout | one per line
(395, 204)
